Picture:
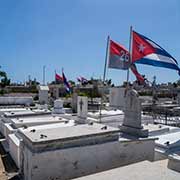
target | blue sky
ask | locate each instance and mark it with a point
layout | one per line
(72, 34)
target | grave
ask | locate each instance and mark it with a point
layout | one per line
(74, 102)
(132, 115)
(81, 149)
(58, 107)
(82, 106)
(14, 139)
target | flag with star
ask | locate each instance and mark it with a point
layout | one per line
(146, 51)
(140, 47)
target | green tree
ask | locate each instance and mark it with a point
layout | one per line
(72, 83)
(4, 80)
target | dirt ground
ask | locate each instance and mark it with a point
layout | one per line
(2, 171)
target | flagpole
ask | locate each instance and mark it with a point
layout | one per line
(104, 75)
(44, 67)
(106, 59)
(55, 76)
(130, 55)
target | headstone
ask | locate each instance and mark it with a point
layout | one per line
(132, 115)
(82, 106)
(56, 91)
(58, 107)
(43, 94)
(74, 102)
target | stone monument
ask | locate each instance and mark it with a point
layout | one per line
(74, 102)
(82, 107)
(58, 107)
(132, 115)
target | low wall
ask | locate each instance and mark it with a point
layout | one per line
(174, 162)
(16, 100)
(14, 148)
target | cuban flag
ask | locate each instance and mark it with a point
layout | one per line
(66, 84)
(146, 51)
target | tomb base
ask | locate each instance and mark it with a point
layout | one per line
(81, 120)
(138, 132)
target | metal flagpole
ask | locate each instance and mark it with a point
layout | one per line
(106, 58)
(44, 67)
(130, 56)
(104, 75)
(55, 76)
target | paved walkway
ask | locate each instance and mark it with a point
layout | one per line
(143, 170)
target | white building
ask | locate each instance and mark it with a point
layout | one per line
(43, 94)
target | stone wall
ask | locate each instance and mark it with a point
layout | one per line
(75, 162)
(16, 100)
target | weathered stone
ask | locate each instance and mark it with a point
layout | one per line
(132, 115)
(58, 107)
(43, 94)
(82, 105)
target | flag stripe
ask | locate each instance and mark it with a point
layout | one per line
(139, 77)
(160, 50)
(157, 63)
(66, 83)
(159, 57)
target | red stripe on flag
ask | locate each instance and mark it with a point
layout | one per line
(58, 77)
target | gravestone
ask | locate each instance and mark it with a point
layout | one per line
(58, 107)
(82, 107)
(132, 115)
(74, 102)
(56, 91)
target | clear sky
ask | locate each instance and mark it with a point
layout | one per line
(72, 34)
